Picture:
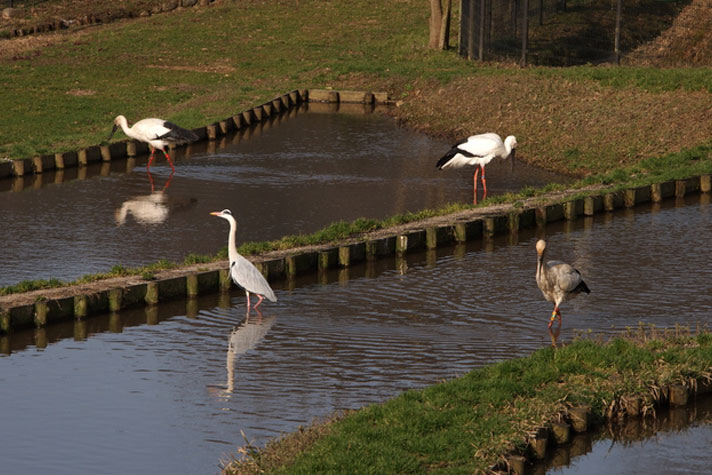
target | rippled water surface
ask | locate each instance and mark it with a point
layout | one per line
(169, 389)
(677, 441)
(293, 175)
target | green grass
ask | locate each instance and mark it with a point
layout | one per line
(464, 425)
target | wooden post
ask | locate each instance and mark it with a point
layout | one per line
(481, 51)
(471, 28)
(541, 12)
(618, 32)
(525, 32)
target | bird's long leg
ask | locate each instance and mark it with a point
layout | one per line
(150, 160)
(247, 298)
(150, 178)
(259, 301)
(474, 180)
(553, 317)
(169, 160)
(484, 183)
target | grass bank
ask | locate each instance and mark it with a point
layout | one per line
(198, 65)
(468, 424)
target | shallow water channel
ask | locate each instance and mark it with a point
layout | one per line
(169, 389)
(295, 174)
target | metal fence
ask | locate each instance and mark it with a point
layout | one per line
(560, 32)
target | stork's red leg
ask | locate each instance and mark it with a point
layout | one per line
(169, 160)
(474, 180)
(150, 160)
(484, 183)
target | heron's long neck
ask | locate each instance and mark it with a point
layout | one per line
(231, 239)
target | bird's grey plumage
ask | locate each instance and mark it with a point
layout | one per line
(246, 275)
(242, 271)
(557, 280)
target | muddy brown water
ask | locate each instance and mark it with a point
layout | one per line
(295, 174)
(170, 389)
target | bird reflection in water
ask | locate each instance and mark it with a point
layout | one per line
(243, 338)
(150, 209)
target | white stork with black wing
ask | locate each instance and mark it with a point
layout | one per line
(478, 150)
(157, 133)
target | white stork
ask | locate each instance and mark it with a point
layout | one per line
(478, 150)
(157, 133)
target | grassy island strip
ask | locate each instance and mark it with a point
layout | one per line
(471, 423)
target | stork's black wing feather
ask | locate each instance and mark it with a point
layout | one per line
(452, 152)
(177, 134)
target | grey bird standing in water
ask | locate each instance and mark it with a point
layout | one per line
(558, 282)
(242, 271)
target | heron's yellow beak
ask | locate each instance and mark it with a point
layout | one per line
(215, 213)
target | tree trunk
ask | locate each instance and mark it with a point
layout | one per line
(439, 24)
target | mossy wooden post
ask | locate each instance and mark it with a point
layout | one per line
(705, 184)
(678, 395)
(656, 193)
(115, 300)
(513, 222)
(59, 161)
(224, 280)
(431, 238)
(328, 259)
(151, 297)
(212, 131)
(580, 417)
(4, 321)
(105, 153)
(40, 313)
(609, 202)
(517, 464)
(570, 210)
(131, 148)
(591, 205)
(629, 198)
(561, 432)
(18, 167)
(540, 213)
(539, 442)
(192, 288)
(81, 306)
(345, 256)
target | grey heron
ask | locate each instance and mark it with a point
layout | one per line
(242, 271)
(157, 133)
(478, 150)
(558, 282)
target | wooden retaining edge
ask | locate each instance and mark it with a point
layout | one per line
(108, 17)
(580, 419)
(130, 148)
(43, 307)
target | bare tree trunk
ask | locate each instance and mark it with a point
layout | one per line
(439, 24)
(444, 40)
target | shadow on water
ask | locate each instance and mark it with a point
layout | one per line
(675, 440)
(293, 174)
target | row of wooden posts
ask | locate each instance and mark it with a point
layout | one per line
(115, 294)
(132, 148)
(580, 419)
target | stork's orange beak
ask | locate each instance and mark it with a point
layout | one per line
(216, 213)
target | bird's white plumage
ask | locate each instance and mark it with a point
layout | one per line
(478, 150)
(242, 271)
